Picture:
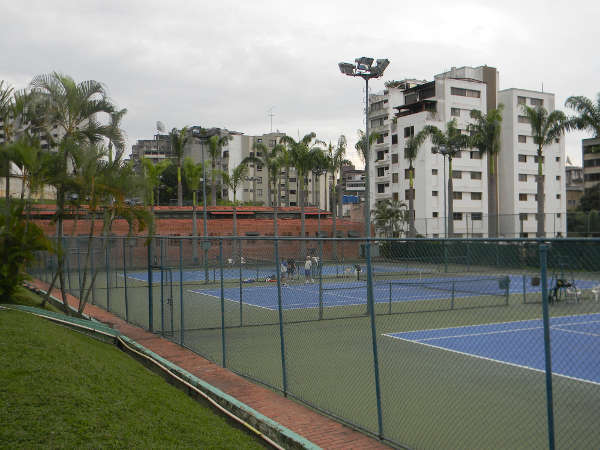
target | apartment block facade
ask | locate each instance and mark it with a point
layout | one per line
(255, 187)
(406, 107)
(590, 149)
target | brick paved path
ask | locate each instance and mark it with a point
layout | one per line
(315, 427)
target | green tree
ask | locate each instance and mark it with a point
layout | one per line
(193, 175)
(215, 151)
(152, 175)
(453, 141)
(267, 158)
(485, 136)
(590, 200)
(303, 155)
(588, 114)
(545, 129)
(233, 181)
(389, 217)
(336, 159)
(411, 149)
(179, 139)
(6, 155)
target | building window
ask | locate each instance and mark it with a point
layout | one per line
(292, 191)
(521, 100)
(557, 140)
(395, 177)
(377, 122)
(523, 177)
(292, 180)
(259, 192)
(475, 195)
(558, 215)
(407, 174)
(433, 171)
(394, 158)
(523, 158)
(407, 194)
(258, 168)
(380, 155)
(476, 216)
(434, 193)
(536, 159)
(523, 119)
(380, 188)
(557, 177)
(380, 171)
(557, 159)
(465, 92)
(522, 197)
(394, 138)
(380, 139)
(524, 235)
(522, 139)
(523, 217)
(475, 175)
(475, 155)
(457, 195)
(456, 174)
(395, 196)
(457, 216)
(537, 101)
(435, 214)
(457, 155)
(557, 196)
(409, 131)
(455, 112)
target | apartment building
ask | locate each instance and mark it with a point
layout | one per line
(574, 184)
(255, 186)
(590, 149)
(352, 183)
(518, 168)
(406, 108)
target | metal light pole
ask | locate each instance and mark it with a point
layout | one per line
(364, 68)
(205, 243)
(444, 151)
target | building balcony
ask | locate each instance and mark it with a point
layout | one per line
(384, 160)
(387, 178)
(383, 195)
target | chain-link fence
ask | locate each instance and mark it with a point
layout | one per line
(426, 343)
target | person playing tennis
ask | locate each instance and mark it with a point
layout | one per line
(307, 269)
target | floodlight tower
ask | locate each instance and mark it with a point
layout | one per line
(363, 67)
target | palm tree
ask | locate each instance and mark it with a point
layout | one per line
(179, 139)
(454, 142)
(117, 138)
(411, 149)
(73, 110)
(485, 136)
(152, 173)
(336, 160)
(215, 151)
(6, 108)
(588, 117)
(389, 216)
(193, 176)
(233, 181)
(545, 129)
(267, 158)
(302, 155)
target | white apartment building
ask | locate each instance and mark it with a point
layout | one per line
(418, 104)
(518, 167)
(406, 107)
(254, 188)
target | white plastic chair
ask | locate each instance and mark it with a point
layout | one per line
(596, 291)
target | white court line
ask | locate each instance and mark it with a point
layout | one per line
(498, 361)
(585, 333)
(237, 302)
(476, 334)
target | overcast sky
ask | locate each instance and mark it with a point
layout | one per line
(228, 63)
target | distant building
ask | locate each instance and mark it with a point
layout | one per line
(353, 188)
(591, 161)
(575, 185)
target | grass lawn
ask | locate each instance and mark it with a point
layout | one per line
(60, 388)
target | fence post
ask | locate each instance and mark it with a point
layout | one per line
(320, 279)
(125, 279)
(150, 300)
(547, 350)
(390, 299)
(107, 266)
(241, 278)
(280, 312)
(445, 256)
(452, 298)
(371, 312)
(222, 303)
(524, 288)
(181, 316)
(162, 288)
(93, 269)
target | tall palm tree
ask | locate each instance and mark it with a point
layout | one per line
(152, 173)
(267, 158)
(215, 151)
(411, 149)
(302, 155)
(588, 114)
(117, 138)
(485, 136)
(6, 108)
(73, 110)
(545, 129)
(337, 160)
(454, 142)
(389, 217)
(193, 176)
(179, 140)
(233, 181)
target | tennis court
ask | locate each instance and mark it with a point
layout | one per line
(304, 296)
(575, 340)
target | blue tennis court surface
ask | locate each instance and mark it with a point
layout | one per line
(298, 296)
(259, 273)
(575, 341)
